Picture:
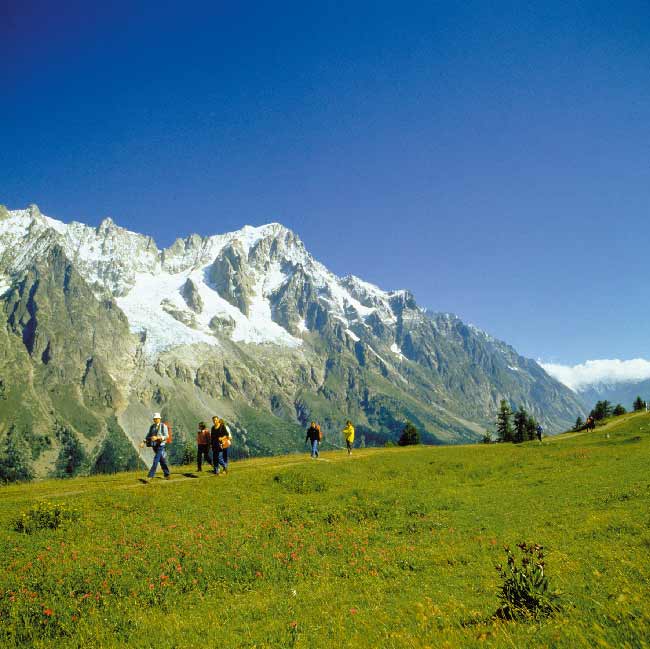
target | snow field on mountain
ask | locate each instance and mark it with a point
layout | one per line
(141, 277)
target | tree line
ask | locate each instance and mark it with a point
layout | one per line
(604, 409)
(515, 427)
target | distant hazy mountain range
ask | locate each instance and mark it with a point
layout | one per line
(100, 327)
(612, 379)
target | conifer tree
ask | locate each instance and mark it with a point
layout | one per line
(602, 410)
(521, 422)
(579, 423)
(639, 404)
(531, 429)
(504, 422)
(410, 435)
(15, 459)
(618, 410)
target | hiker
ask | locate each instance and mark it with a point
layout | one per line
(540, 430)
(591, 423)
(348, 431)
(203, 446)
(220, 437)
(157, 439)
(314, 435)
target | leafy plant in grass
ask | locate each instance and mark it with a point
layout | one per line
(524, 593)
(46, 516)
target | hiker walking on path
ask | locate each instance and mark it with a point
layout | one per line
(203, 442)
(157, 439)
(221, 438)
(348, 432)
(314, 435)
(540, 430)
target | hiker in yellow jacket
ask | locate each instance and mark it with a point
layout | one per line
(348, 431)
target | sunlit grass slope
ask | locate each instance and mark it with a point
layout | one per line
(387, 548)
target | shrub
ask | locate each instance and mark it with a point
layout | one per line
(524, 593)
(45, 516)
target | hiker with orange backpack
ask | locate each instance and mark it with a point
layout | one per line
(157, 438)
(315, 436)
(221, 439)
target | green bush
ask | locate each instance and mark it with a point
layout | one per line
(524, 593)
(45, 516)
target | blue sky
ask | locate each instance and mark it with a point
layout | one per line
(491, 157)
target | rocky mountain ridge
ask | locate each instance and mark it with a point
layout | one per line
(247, 324)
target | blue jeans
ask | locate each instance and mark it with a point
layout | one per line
(314, 448)
(220, 458)
(159, 457)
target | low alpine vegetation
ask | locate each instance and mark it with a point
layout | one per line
(524, 593)
(46, 516)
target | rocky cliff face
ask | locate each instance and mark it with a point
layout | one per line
(101, 327)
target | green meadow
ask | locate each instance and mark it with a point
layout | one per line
(387, 548)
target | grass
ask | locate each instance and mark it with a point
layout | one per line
(387, 548)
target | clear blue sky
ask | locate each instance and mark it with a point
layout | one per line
(492, 157)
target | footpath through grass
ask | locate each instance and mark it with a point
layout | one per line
(388, 548)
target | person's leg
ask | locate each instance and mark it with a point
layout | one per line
(154, 466)
(199, 457)
(163, 461)
(223, 459)
(348, 443)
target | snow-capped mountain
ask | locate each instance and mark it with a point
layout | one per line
(102, 326)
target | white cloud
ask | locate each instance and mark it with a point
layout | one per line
(607, 371)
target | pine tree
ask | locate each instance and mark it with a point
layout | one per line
(410, 435)
(504, 423)
(531, 429)
(521, 423)
(15, 461)
(618, 410)
(639, 404)
(602, 410)
(579, 423)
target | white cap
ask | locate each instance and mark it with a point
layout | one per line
(156, 415)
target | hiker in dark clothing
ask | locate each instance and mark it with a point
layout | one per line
(203, 443)
(220, 438)
(539, 431)
(314, 435)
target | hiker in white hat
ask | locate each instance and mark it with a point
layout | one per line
(157, 439)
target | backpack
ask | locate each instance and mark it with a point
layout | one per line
(169, 432)
(320, 433)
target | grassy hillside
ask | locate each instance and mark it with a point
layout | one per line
(388, 548)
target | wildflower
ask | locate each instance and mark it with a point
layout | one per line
(293, 624)
(48, 612)
(353, 611)
(151, 586)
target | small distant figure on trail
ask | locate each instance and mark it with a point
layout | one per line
(315, 436)
(203, 442)
(157, 440)
(221, 438)
(591, 424)
(348, 432)
(539, 431)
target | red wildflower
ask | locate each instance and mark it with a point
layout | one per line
(48, 612)
(353, 611)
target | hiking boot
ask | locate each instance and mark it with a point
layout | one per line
(168, 477)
